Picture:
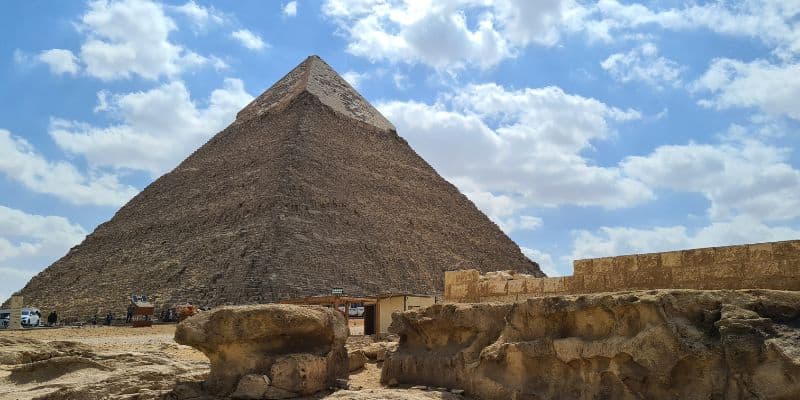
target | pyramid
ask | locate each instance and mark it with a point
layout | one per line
(310, 188)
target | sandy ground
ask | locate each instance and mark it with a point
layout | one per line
(155, 339)
(95, 363)
(128, 363)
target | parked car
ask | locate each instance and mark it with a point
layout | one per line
(356, 310)
(31, 317)
(5, 318)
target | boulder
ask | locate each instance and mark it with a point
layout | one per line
(301, 373)
(356, 360)
(664, 344)
(377, 351)
(300, 349)
(251, 386)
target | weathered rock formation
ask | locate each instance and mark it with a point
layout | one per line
(271, 351)
(670, 344)
(309, 188)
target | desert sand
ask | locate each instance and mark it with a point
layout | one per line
(95, 362)
(131, 363)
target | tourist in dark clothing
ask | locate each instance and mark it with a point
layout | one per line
(52, 318)
(129, 316)
(94, 320)
(109, 319)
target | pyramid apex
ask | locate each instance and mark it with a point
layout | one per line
(316, 77)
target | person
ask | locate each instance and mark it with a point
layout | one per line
(52, 318)
(109, 318)
(94, 319)
(129, 316)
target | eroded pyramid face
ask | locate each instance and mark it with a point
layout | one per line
(310, 188)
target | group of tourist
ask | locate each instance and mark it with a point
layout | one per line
(108, 320)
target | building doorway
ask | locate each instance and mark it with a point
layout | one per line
(369, 319)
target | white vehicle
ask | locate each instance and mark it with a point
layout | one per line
(356, 310)
(5, 316)
(30, 316)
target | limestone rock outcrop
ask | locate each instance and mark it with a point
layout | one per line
(665, 344)
(293, 350)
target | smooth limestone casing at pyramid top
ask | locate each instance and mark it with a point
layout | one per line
(309, 188)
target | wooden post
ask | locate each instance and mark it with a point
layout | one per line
(378, 316)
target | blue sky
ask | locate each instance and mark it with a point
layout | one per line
(583, 129)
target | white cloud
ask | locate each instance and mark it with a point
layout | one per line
(20, 162)
(441, 35)
(102, 101)
(354, 78)
(248, 39)
(544, 260)
(773, 89)
(30, 242)
(131, 37)
(60, 61)
(147, 138)
(218, 63)
(452, 34)
(526, 145)
(21, 58)
(750, 185)
(771, 21)
(529, 222)
(400, 81)
(740, 177)
(290, 9)
(612, 241)
(502, 209)
(643, 64)
(200, 16)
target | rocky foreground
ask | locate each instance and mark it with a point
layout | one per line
(666, 344)
(92, 363)
(95, 363)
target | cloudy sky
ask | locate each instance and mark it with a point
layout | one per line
(583, 129)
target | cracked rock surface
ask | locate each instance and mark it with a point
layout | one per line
(299, 349)
(663, 344)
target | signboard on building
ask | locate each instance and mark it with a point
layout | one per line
(15, 306)
(337, 290)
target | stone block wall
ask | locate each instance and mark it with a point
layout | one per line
(773, 265)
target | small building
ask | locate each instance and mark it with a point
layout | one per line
(378, 310)
(358, 325)
(140, 311)
(391, 302)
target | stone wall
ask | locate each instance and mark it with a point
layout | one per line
(773, 265)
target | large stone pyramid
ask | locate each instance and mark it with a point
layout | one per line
(310, 188)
